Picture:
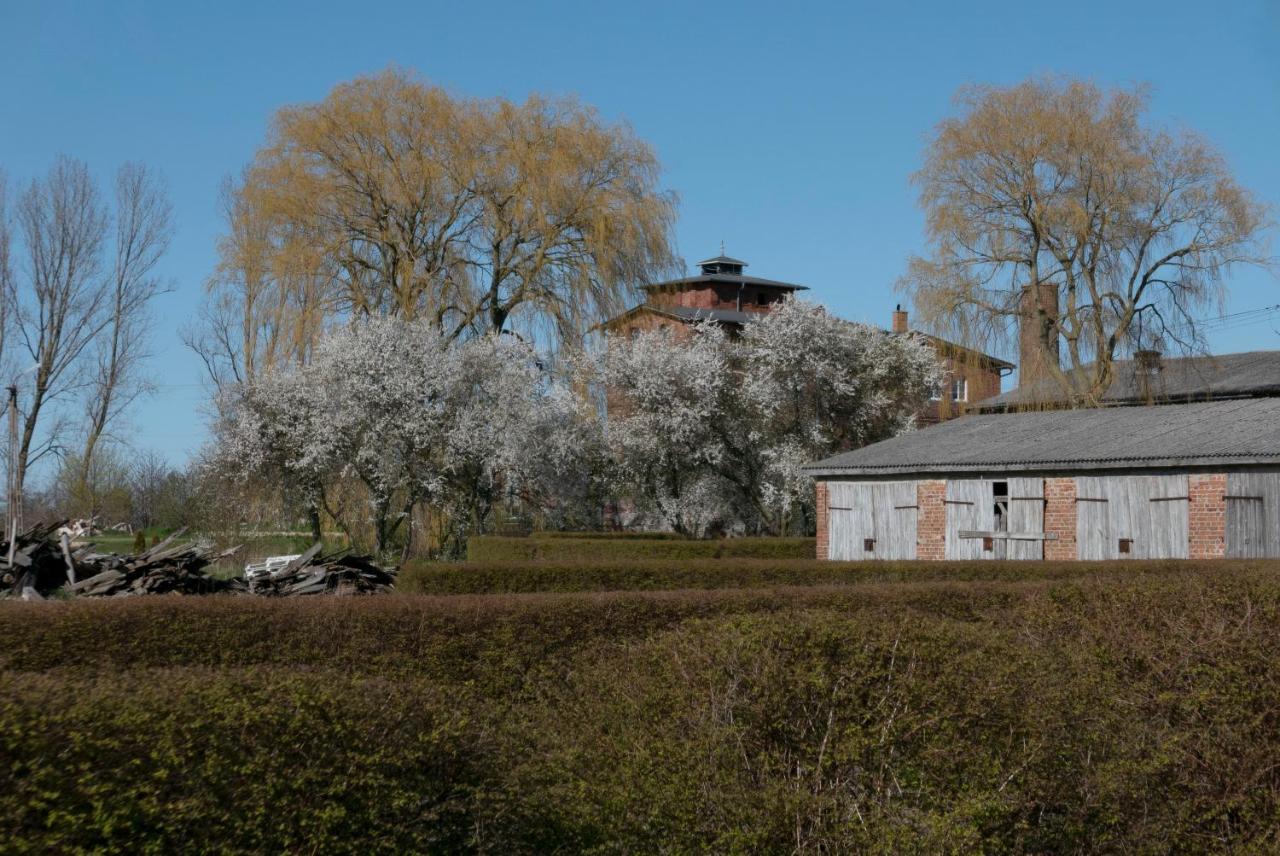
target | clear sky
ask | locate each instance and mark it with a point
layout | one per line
(789, 130)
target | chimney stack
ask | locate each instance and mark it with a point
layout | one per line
(1037, 334)
(899, 319)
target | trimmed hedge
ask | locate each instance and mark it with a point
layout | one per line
(505, 577)
(491, 548)
(611, 535)
(1108, 712)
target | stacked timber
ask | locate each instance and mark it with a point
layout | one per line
(43, 562)
(166, 567)
(40, 562)
(314, 573)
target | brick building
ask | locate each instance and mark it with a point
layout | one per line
(723, 293)
(1196, 480)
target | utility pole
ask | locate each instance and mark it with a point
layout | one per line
(15, 490)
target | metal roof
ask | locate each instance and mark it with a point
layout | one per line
(1217, 433)
(1252, 373)
(729, 278)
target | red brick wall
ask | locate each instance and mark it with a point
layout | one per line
(931, 520)
(1208, 514)
(1060, 518)
(824, 524)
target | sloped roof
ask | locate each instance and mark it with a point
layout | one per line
(688, 314)
(1179, 379)
(727, 278)
(1218, 433)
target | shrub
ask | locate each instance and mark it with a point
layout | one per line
(492, 577)
(1131, 708)
(539, 548)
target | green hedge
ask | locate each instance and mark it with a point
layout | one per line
(490, 548)
(1103, 713)
(610, 535)
(495, 577)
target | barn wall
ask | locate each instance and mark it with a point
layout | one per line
(1060, 519)
(1169, 515)
(823, 519)
(1208, 516)
(931, 526)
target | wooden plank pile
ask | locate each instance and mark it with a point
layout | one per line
(44, 563)
(314, 573)
(167, 567)
(38, 561)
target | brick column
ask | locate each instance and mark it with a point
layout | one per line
(931, 520)
(824, 520)
(1060, 519)
(1208, 516)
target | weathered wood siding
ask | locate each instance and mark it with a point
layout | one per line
(883, 512)
(970, 506)
(1026, 516)
(1253, 515)
(1150, 512)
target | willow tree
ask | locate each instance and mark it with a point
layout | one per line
(393, 197)
(1052, 203)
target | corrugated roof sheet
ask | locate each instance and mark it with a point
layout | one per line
(1179, 379)
(1241, 431)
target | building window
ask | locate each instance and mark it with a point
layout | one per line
(762, 300)
(959, 389)
(935, 392)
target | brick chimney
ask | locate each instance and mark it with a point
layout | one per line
(899, 319)
(1034, 358)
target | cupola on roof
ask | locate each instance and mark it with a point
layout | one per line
(722, 264)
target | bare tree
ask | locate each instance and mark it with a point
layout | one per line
(60, 314)
(7, 294)
(1050, 201)
(143, 220)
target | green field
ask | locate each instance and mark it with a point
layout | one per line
(749, 706)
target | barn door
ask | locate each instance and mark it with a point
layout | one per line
(1093, 519)
(1132, 517)
(896, 514)
(970, 507)
(1164, 531)
(850, 521)
(1253, 515)
(871, 520)
(1026, 516)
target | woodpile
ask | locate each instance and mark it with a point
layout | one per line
(313, 573)
(166, 567)
(44, 563)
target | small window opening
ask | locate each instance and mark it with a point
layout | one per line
(1000, 496)
(959, 389)
(762, 299)
(988, 544)
(1126, 545)
(869, 545)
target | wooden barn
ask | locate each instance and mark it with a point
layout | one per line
(1198, 480)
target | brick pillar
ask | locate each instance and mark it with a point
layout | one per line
(1208, 516)
(824, 520)
(931, 520)
(1060, 519)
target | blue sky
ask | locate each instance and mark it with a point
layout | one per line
(788, 130)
